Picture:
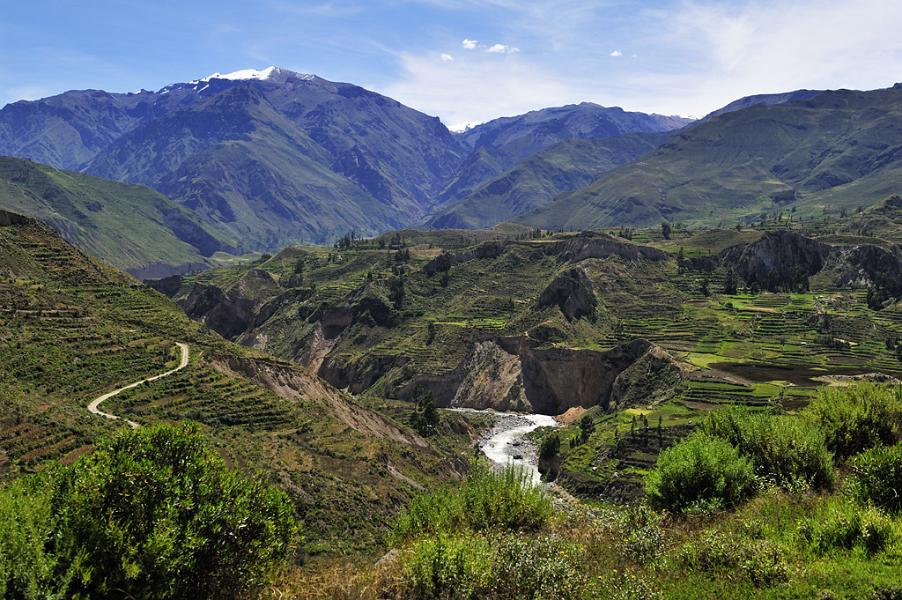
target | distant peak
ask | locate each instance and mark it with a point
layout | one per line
(261, 75)
(275, 74)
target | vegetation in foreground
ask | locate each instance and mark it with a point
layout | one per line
(151, 513)
(724, 519)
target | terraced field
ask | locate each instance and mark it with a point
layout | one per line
(760, 349)
(72, 328)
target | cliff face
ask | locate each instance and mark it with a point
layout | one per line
(780, 260)
(492, 378)
(572, 292)
(510, 374)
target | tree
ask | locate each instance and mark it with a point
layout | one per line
(550, 447)
(666, 230)
(425, 417)
(703, 288)
(730, 282)
(396, 291)
(154, 513)
(586, 428)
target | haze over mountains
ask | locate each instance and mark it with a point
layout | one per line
(254, 160)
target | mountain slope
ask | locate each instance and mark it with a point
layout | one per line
(767, 99)
(72, 328)
(131, 226)
(837, 149)
(333, 156)
(533, 183)
(503, 142)
(248, 171)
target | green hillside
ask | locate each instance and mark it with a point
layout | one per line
(131, 226)
(831, 153)
(72, 328)
(415, 312)
(634, 344)
(533, 183)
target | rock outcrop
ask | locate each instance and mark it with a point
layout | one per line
(779, 261)
(492, 378)
(503, 373)
(226, 314)
(572, 292)
(446, 260)
(601, 245)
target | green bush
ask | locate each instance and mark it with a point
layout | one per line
(841, 525)
(448, 567)
(487, 499)
(858, 417)
(641, 534)
(498, 566)
(624, 585)
(759, 560)
(154, 513)
(783, 449)
(700, 470)
(877, 477)
(26, 569)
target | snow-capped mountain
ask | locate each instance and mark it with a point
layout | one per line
(270, 156)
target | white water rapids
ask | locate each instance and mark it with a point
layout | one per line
(506, 443)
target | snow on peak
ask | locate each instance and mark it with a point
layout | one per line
(275, 74)
(244, 74)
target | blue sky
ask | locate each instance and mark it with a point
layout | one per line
(466, 61)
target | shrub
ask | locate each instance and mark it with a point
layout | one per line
(624, 585)
(26, 569)
(759, 560)
(641, 534)
(783, 450)
(487, 499)
(877, 477)
(842, 525)
(702, 469)
(543, 567)
(500, 566)
(446, 567)
(858, 417)
(154, 513)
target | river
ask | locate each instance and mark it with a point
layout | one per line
(506, 443)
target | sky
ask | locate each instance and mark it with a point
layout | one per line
(466, 61)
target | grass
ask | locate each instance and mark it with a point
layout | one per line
(487, 500)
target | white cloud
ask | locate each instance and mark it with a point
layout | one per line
(771, 46)
(469, 44)
(476, 88)
(696, 56)
(502, 49)
(447, 57)
(616, 53)
(24, 92)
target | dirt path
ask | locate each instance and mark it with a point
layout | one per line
(93, 407)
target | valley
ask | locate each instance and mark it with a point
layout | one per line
(268, 335)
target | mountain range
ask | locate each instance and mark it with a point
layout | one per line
(266, 158)
(833, 151)
(255, 160)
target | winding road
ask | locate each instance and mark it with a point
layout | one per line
(94, 406)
